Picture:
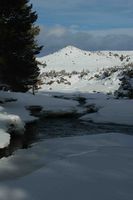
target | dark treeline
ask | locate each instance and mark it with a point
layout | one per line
(18, 46)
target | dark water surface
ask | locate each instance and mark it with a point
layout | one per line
(61, 127)
(51, 128)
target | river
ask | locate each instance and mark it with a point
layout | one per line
(59, 127)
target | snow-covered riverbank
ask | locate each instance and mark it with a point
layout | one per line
(85, 167)
(15, 111)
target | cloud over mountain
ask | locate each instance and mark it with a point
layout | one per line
(56, 37)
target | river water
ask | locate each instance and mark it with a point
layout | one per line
(59, 127)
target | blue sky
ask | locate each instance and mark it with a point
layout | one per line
(87, 24)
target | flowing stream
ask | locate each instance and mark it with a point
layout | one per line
(58, 127)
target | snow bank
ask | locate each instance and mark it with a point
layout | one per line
(9, 123)
(4, 139)
(19, 113)
(112, 112)
(88, 167)
(47, 102)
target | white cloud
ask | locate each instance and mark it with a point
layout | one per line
(56, 37)
(57, 31)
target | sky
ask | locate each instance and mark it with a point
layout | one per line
(86, 24)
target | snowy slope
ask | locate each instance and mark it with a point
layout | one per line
(75, 70)
(72, 58)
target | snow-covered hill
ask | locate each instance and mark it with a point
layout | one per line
(72, 58)
(73, 69)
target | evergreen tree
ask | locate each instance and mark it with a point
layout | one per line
(18, 47)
